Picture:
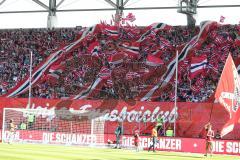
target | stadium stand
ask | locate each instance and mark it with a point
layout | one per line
(126, 62)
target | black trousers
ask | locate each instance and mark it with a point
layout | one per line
(118, 137)
(154, 140)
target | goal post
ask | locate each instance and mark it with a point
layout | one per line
(48, 127)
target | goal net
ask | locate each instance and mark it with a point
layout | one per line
(51, 127)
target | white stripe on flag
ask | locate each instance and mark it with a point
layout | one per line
(89, 90)
(227, 129)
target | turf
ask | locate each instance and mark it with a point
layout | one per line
(52, 152)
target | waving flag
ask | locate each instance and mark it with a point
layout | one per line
(94, 88)
(94, 48)
(116, 58)
(154, 61)
(143, 46)
(198, 65)
(131, 49)
(228, 94)
(43, 67)
(167, 76)
(152, 29)
(111, 31)
(59, 68)
(130, 17)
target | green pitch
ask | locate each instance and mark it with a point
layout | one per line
(52, 152)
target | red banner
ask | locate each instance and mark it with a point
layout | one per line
(193, 145)
(227, 94)
(190, 122)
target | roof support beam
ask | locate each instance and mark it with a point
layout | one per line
(119, 11)
(2, 2)
(41, 4)
(111, 3)
(126, 1)
(112, 9)
(52, 18)
(60, 3)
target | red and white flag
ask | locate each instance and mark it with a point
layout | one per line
(94, 48)
(222, 18)
(198, 65)
(130, 17)
(111, 31)
(116, 58)
(131, 50)
(228, 94)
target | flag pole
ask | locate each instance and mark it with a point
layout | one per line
(30, 82)
(175, 100)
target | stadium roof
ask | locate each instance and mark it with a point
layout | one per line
(71, 13)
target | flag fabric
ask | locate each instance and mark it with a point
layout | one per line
(228, 94)
(131, 50)
(238, 69)
(96, 85)
(116, 58)
(152, 29)
(153, 61)
(198, 65)
(94, 49)
(157, 53)
(130, 17)
(167, 76)
(133, 45)
(59, 68)
(111, 31)
(40, 71)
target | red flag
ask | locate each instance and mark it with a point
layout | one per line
(154, 61)
(116, 58)
(94, 48)
(57, 68)
(130, 17)
(111, 31)
(228, 94)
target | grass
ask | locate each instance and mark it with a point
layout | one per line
(53, 152)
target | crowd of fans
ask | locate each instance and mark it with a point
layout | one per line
(130, 79)
(15, 48)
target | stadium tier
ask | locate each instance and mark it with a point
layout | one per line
(124, 74)
(109, 62)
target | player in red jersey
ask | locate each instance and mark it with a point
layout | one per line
(209, 139)
(136, 140)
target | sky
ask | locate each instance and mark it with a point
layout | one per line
(143, 17)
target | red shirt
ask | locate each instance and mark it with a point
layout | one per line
(136, 136)
(210, 135)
